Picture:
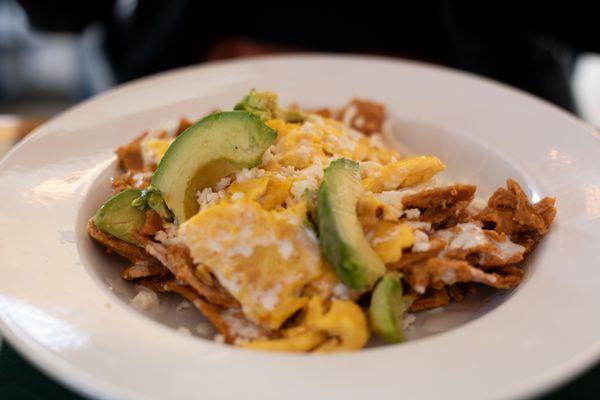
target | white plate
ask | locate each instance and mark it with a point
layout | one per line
(57, 309)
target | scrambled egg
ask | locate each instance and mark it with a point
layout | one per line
(406, 172)
(270, 192)
(264, 258)
(342, 327)
(154, 149)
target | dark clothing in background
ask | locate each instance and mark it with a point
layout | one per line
(531, 45)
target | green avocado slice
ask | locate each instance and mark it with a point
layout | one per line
(387, 308)
(340, 233)
(119, 218)
(216, 146)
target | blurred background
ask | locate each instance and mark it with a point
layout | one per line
(56, 53)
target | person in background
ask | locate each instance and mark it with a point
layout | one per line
(531, 45)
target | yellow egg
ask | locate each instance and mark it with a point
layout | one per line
(299, 149)
(251, 188)
(344, 321)
(263, 258)
(389, 238)
(281, 127)
(154, 149)
(403, 173)
(298, 339)
(277, 192)
(342, 327)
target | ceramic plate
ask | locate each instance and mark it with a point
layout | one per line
(63, 306)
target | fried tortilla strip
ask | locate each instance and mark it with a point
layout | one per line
(179, 262)
(130, 155)
(456, 293)
(433, 298)
(411, 258)
(439, 271)
(212, 313)
(154, 223)
(494, 249)
(132, 252)
(510, 212)
(441, 206)
(324, 112)
(143, 270)
(364, 115)
(184, 123)
(154, 283)
(130, 180)
(511, 275)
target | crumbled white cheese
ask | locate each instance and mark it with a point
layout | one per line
(360, 121)
(145, 300)
(312, 177)
(466, 236)
(423, 226)
(157, 251)
(139, 178)
(184, 330)
(219, 338)
(311, 234)
(223, 183)
(419, 289)
(470, 236)
(240, 326)
(206, 197)
(237, 196)
(349, 115)
(369, 168)
(268, 298)
(377, 140)
(412, 213)
(390, 235)
(267, 157)
(184, 305)
(286, 248)
(436, 310)
(449, 276)
(408, 321)
(168, 235)
(341, 291)
(345, 142)
(354, 134)
(421, 243)
(477, 205)
(247, 174)
(204, 329)
(393, 198)
(303, 152)
(509, 249)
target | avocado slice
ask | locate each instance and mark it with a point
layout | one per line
(119, 218)
(216, 146)
(387, 308)
(265, 105)
(340, 233)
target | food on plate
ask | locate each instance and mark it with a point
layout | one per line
(215, 147)
(387, 308)
(341, 235)
(119, 218)
(302, 230)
